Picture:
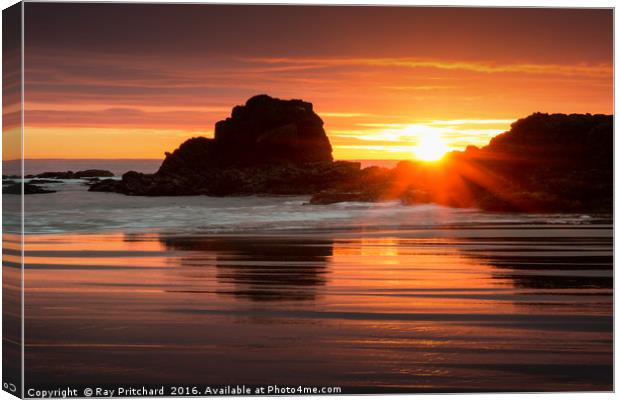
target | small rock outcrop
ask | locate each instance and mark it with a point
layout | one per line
(16, 188)
(89, 173)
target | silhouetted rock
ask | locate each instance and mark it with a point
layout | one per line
(36, 181)
(91, 181)
(53, 175)
(545, 162)
(92, 173)
(73, 175)
(267, 146)
(105, 185)
(371, 184)
(549, 162)
(264, 131)
(28, 189)
(279, 179)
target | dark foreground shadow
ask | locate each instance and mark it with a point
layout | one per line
(260, 269)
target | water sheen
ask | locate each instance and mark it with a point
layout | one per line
(490, 306)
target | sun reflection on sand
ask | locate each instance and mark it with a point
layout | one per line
(426, 309)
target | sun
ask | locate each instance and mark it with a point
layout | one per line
(431, 146)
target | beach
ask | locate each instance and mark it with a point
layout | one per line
(269, 290)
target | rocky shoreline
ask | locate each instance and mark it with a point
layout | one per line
(268, 146)
(88, 173)
(32, 186)
(280, 179)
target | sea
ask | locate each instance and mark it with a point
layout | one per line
(371, 298)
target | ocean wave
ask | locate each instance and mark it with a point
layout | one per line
(74, 209)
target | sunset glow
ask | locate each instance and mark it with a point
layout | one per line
(431, 146)
(151, 97)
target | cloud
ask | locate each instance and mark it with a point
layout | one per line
(363, 101)
(343, 115)
(583, 69)
(472, 121)
(121, 118)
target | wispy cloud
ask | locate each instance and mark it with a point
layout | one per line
(373, 102)
(474, 66)
(472, 121)
(121, 118)
(344, 115)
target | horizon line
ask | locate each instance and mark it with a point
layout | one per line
(158, 159)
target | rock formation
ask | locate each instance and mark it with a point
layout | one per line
(264, 131)
(16, 188)
(73, 175)
(545, 162)
(267, 146)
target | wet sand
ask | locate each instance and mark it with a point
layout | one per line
(487, 307)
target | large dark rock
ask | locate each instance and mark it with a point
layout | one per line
(264, 131)
(574, 140)
(268, 130)
(267, 146)
(544, 163)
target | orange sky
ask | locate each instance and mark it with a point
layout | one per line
(136, 81)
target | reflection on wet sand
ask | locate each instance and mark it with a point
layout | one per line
(477, 309)
(11, 309)
(260, 269)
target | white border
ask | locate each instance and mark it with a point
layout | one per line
(479, 3)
